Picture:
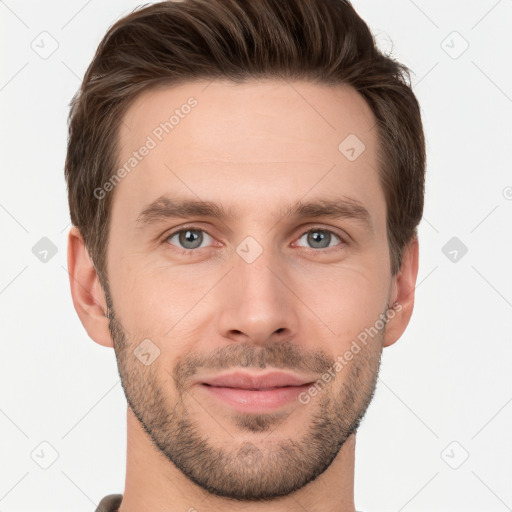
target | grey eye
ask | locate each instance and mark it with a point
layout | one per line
(320, 238)
(189, 238)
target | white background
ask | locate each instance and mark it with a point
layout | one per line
(445, 390)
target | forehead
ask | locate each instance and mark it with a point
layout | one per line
(277, 111)
(247, 143)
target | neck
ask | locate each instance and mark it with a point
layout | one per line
(154, 483)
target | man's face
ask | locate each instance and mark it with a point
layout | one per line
(255, 292)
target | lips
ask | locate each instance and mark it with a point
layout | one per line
(243, 380)
(255, 393)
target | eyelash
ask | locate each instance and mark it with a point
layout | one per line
(192, 252)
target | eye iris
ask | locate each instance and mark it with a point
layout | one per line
(319, 236)
(319, 239)
(190, 235)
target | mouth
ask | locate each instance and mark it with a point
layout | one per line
(255, 399)
(255, 392)
(252, 389)
(258, 381)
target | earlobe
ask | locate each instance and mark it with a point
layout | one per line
(403, 295)
(86, 291)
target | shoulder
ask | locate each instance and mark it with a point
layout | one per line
(110, 503)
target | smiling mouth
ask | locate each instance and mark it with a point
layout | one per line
(257, 389)
(255, 400)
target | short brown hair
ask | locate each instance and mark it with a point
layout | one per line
(322, 41)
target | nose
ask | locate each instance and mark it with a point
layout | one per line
(257, 301)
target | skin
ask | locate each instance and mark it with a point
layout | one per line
(253, 147)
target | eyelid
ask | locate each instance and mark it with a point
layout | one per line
(342, 237)
(194, 227)
(176, 231)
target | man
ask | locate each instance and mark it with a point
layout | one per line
(245, 182)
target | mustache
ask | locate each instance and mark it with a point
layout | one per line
(283, 355)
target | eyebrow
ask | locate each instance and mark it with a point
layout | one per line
(166, 207)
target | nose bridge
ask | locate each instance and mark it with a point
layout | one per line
(258, 276)
(257, 303)
(256, 266)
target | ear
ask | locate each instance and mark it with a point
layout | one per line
(88, 296)
(404, 284)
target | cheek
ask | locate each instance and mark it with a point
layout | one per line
(348, 301)
(175, 306)
(162, 305)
